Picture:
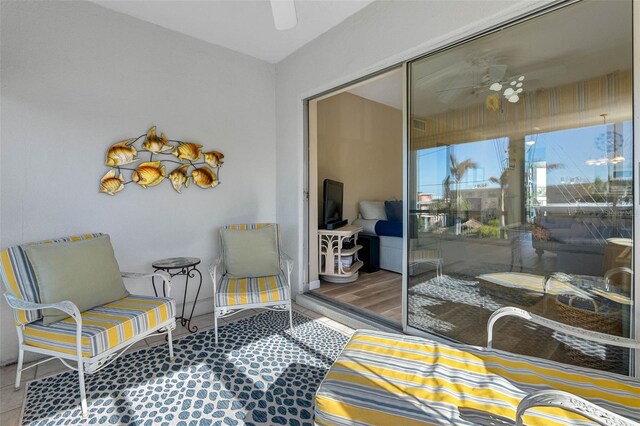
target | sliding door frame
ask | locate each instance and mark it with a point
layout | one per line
(406, 103)
(310, 183)
(542, 10)
(635, 289)
(634, 369)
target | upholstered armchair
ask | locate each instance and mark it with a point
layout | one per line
(251, 271)
(90, 338)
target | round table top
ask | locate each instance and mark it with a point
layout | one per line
(175, 262)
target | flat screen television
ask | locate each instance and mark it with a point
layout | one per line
(332, 204)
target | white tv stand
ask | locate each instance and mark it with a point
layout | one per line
(331, 253)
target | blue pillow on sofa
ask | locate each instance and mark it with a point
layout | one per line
(393, 209)
(387, 228)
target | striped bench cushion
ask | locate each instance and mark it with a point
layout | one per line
(383, 378)
(243, 291)
(103, 327)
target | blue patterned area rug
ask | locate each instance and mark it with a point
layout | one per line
(260, 374)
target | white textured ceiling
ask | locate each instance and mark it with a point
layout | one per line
(243, 26)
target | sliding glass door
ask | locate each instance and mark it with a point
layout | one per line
(520, 181)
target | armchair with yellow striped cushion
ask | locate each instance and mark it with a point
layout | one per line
(239, 284)
(93, 338)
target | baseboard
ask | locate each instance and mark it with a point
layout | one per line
(314, 285)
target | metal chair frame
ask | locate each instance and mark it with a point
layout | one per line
(84, 364)
(218, 271)
(560, 399)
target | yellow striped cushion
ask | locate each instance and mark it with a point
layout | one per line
(383, 378)
(243, 291)
(103, 327)
(246, 226)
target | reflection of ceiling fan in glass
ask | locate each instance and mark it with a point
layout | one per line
(493, 80)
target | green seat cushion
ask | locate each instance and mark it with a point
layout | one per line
(251, 253)
(85, 272)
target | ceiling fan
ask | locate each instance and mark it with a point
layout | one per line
(284, 14)
(489, 77)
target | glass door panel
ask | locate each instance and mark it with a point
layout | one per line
(521, 184)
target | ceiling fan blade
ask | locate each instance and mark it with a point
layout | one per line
(446, 97)
(458, 99)
(450, 89)
(497, 72)
(284, 14)
(451, 72)
(540, 73)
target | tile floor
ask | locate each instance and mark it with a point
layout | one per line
(11, 400)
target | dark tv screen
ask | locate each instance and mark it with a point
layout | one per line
(332, 205)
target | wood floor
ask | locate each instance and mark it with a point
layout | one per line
(462, 313)
(379, 292)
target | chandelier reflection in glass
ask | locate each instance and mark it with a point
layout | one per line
(609, 142)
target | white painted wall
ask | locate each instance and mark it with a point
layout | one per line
(76, 78)
(380, 35)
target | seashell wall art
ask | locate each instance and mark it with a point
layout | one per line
(191, 164)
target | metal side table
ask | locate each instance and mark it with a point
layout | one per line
(180, 266)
